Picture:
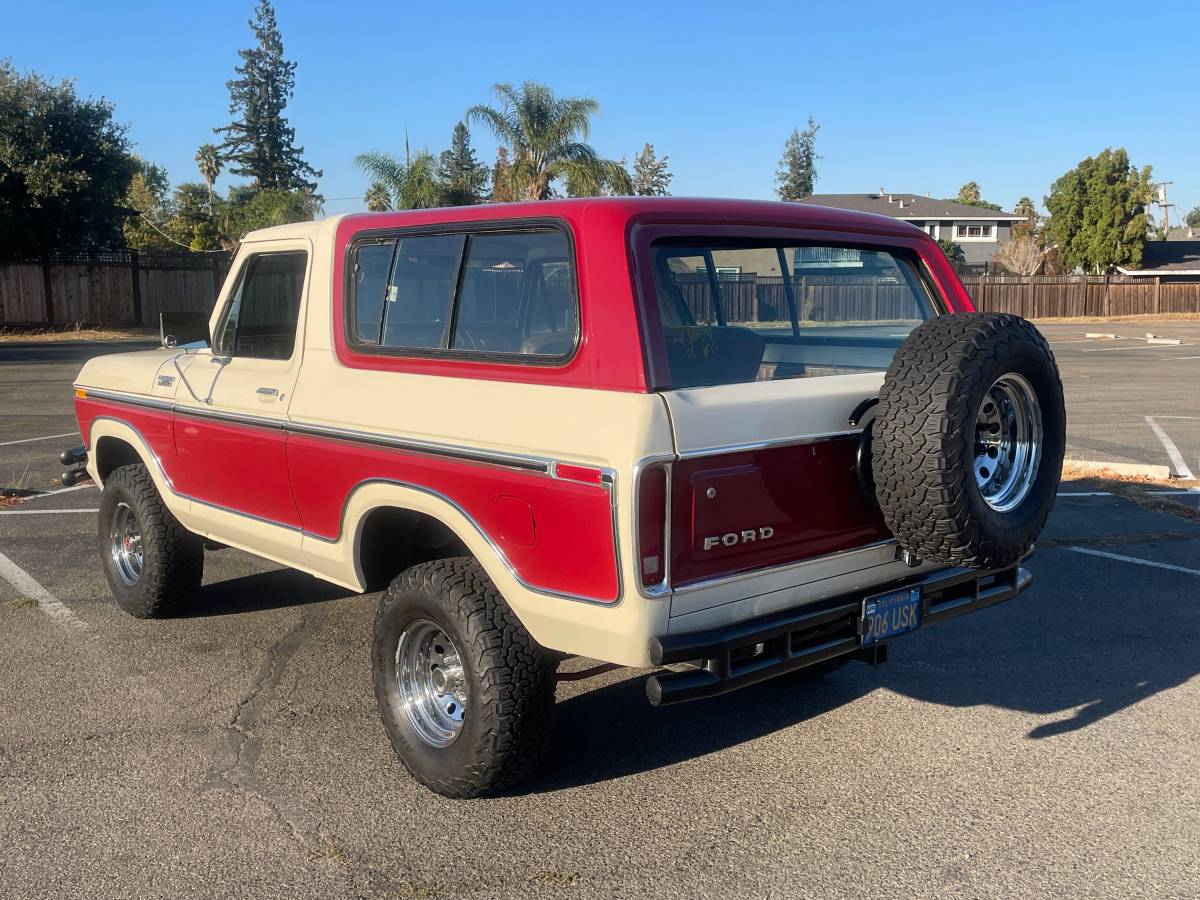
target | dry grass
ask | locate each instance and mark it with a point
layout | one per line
(10, 334)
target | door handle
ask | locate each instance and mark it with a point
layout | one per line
(267, 391)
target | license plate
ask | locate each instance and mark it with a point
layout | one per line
(887, 615)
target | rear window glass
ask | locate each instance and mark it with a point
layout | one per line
(737, 313)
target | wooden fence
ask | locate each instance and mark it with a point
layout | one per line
(131, 288)
(116, 289)
(1061, 296)
(754, 298)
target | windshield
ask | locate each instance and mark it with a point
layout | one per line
(763, 312)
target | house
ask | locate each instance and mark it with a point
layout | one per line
(1171, 261)
(977, 230)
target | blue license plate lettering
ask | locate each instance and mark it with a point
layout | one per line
(888, 615)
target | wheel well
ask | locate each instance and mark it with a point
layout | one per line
(392, 539)
(112, 453)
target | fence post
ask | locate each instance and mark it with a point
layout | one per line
(1157, 285)
(47, 287)
(136, 270)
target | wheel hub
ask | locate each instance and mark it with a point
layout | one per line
(431, 683)
(1007, 442)
(126, 545)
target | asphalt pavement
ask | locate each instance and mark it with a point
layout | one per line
(1043, 747)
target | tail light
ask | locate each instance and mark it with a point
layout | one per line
(652, 527)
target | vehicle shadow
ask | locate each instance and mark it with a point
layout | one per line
(263, 591)
(1094, 636)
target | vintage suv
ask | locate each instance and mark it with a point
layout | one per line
(729, 440)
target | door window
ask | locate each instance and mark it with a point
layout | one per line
(262, 316)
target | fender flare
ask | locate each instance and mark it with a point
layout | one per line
(109, 427)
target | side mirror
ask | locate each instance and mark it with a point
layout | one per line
(183, 330)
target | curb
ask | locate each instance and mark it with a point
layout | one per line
(1138, 470)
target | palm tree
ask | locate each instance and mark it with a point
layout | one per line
(377, 198)
(409, 183)
(548, 137)
(208, 158)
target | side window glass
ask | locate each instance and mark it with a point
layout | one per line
(420, 292)
(371, 265)
(517, 295)
(262, 317)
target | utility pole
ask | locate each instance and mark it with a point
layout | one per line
(1161, 187)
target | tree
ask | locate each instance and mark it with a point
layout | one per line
(149, 198)
(1098, 212)
(502, 191)
(65, 168)
(377, 198)
(797, 173)
(547, 136)
(651, 177)
(608, 182)
(1027, 228)
(1021, 255)
(259, 143)
(464, 178)
(953, 252)
(410, 183)
(969, 195)
(247, 209)
(1192, 219)
(194, 224)
(208, 159)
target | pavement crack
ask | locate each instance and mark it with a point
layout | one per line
(239, 735)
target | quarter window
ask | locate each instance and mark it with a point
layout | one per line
(262, 316)
(495, 293)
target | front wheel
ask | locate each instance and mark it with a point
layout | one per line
(153, 564)
(464, 691)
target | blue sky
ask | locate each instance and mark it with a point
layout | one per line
(910, 97)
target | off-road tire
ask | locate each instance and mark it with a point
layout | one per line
(510, 680)
(922, 448)
(173, 557)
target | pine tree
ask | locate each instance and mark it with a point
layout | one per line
(463, 177)
(502, 187)
(650, 175)
(259, 143)
(797, 172)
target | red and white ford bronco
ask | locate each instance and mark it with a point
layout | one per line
(729, 440)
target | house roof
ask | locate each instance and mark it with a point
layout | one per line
(1168, 258)
(909, 206)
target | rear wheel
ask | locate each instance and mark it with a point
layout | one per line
(153, 564)
(464, 691)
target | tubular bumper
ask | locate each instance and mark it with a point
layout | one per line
(749, 652)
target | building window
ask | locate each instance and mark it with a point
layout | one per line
(974, 231)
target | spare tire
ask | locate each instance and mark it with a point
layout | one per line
(968, 439)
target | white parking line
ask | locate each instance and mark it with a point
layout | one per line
(47, 602)
(1181, 467)
(1137, 347)
(78, 487)
(48, 437)
(42, 512)
(1133, 559)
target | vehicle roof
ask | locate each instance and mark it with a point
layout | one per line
(660, 208)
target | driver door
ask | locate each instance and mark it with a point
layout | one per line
(232, 404)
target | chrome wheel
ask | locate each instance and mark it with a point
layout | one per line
(1008, 442)
(432, 683)
(126, 541)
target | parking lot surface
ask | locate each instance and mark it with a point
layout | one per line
(1043, 747)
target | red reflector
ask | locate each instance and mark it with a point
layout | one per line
(652, 520)
(586, 474)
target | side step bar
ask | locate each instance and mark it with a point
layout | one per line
(749, 652)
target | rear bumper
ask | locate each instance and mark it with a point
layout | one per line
(731, 657)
